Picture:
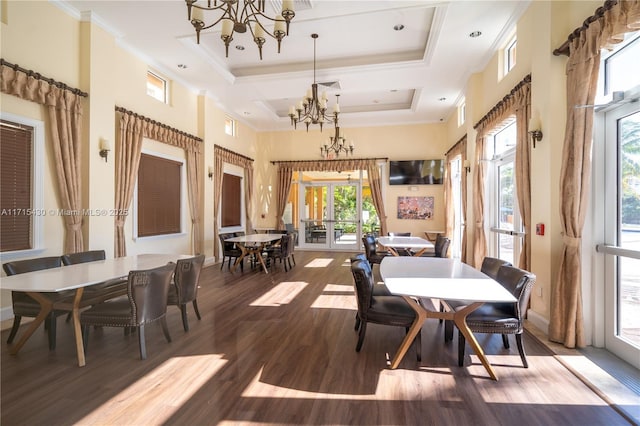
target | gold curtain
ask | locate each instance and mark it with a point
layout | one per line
(375, 183)
(285, 175)
(133, 128)
(220, 156)
(459, 149)
(566, 323)
(522, 103)
(64, 112)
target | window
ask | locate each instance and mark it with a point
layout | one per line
(21, 146)
(157, 87)
(159, 196)
(505, 223)
(230, 126)
(621, 67)
(462, 112)
(231, 200)
(510, 55)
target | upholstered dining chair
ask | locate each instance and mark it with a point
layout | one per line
(503, 318)
(280, 251)
(490, 267)
(24, 305)
(229, 250)
(184, 288)
(386, 310)
(146, 302)
(371, 250)
(379, 288)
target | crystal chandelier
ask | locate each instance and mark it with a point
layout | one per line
(240, 15)
(336, 145)
(312, 109)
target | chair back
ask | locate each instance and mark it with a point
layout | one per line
(363, 282)
(441, 246)
(31, 265)
(292, 244)
(186, 278)
(359, 256)
(491, 266)
(369, 243)
(83, 257)
(227, 247)
(519, 283)
(148, 290)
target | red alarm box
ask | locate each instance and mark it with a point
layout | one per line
(539, 228)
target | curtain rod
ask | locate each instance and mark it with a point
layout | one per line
(525, 80)
(232, 152)
(599, 13)
(157, 123)
(315, 161)
(38, 76)
(462, 139)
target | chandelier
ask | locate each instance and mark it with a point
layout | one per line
(236, 16)
(313, 109)
(336, 145)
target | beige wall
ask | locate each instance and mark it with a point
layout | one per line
(85, 56)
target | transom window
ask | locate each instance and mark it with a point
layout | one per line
(462, 112)
(157, 87)
(230, 126)
(510, 54)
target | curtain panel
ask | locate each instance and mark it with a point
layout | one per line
(64, 113)
(132, 129)
(459, 149)
(286, 169)
(220, 156)
(566, 324)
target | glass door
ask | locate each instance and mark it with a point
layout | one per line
(622, 232)
(330, 215)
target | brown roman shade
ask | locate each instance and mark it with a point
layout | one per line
(231, 203)
(159, 182)
(16, 148)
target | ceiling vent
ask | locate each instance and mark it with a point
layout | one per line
(331, 84)
(276, 5)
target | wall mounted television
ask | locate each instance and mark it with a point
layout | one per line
(416, 172)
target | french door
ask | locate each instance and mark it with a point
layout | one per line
(621, 246)
(329, 219)
(506, 229)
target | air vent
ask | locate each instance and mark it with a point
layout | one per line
(331, 84)
(276, 5)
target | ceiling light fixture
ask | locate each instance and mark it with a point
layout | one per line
(312, 109)
(475, 34)
(240, 15)
(336, 145)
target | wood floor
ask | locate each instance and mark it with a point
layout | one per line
(280, 349)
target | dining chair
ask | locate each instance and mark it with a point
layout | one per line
(371, 250)
(490, 267)
(229, 250)
(379, 288)
(99, 292)
(503, 318)
(184, 288)
(280, 251)
(146, 302)
(385, 310)
(24, 305)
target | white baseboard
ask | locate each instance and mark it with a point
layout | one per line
(538, 321)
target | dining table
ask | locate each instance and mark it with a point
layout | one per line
(40, 285)
(415, 245)
(415, 278)
(253, 244)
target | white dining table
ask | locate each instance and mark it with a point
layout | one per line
(441, 278)
(253, 244)
(39, 284)
(392, 244)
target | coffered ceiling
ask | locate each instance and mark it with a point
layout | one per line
(384, 76)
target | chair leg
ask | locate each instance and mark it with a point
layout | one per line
(85, 337)
(448, 330)
(141, 342)
(195, 308)
(294, 259)
(505, 341)
(363, 330)
(441, 310)
(185, 320)
(418, 342)
(14, 328)
(357, 322)
(461, 344)
(52, 331)
(523, 356)
(222, 264)
(165, 329)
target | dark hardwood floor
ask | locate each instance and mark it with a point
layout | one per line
(280, 349)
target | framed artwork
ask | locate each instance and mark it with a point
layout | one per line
(415, 207)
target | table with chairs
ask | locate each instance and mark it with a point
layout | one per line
(92, 291)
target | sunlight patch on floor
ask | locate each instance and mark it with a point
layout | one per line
(335, 296)
(281, 294)
(155, 397)
(319, 262)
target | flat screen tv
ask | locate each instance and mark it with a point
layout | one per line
(416, 172)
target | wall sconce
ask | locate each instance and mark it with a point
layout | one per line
(210, 172)
(467, 166)
(535, 128)
(104, 149)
